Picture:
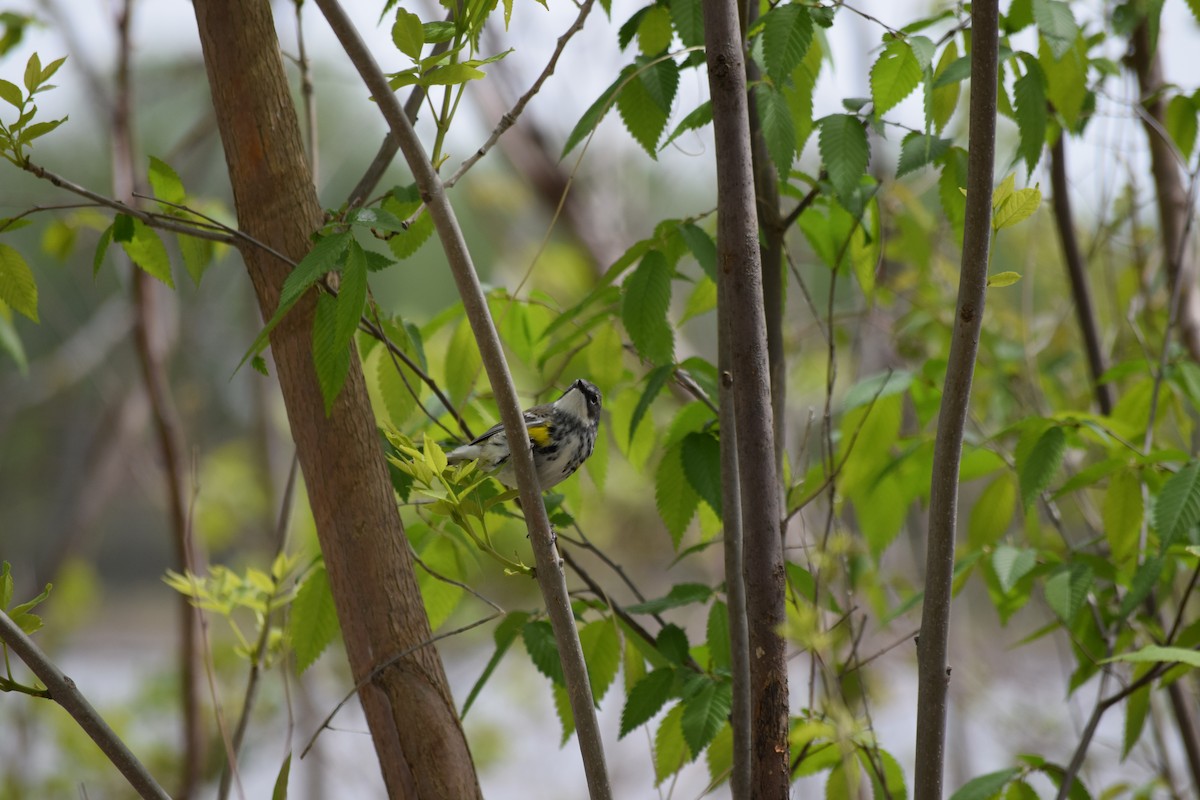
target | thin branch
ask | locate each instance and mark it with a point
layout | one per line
(550, 575)
(510, 117)
(374, 673)
(932, 647)
(64, 692)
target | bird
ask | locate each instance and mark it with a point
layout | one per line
(561, 435)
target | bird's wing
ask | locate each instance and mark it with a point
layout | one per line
(535, 423)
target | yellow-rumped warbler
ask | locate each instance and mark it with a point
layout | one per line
(561, 436)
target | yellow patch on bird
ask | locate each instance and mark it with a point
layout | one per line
(539, 434)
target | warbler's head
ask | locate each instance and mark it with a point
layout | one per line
(582, 400)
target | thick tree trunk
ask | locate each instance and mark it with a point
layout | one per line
(416, 731)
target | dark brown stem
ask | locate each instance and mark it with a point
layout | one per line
(1085, 313)
(740, 293)
(932, 648)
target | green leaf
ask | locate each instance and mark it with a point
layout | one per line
(538, 636)
(670, 749)
(595, 112)
(992, 513)
(1158, 654)
(717, 636)
(775, 119)
(452, 75)
(702, 246)
(655, 381)
(701, 453)
(1137, 707)
(1122, 512)
(787, 34)
(400, 204)
(10, 343)
(944, 96)
(951, 184)
(672, 643)
(332, 362)
(18, 289)
(1041, 464)
(33, 72)
(1144, 580)
(197, 255)
(101, 250)
(408, 34)
(681, 594)
(1181, 123)
(1178, 506)
(702, 300)
(689, 21)
(313, 623)
(646, 698)
(918, 149)
(1029, 95)
(1057, 25)
(602, 653)
(697, 118)
(1002, 279)
(986, 786)
(654, 30)
(894, 76)
(1067, 588)
(674, 497)
(39, 129)
(352, 295)
(11, 93)
(646, 296)
(1066, 80)
(1017, 207)
(844, 149)
(281, 780)
(146, 250)
(165, 182)
(704, 713)
(1012, 564)
(504, 635)
(324, 257)
(645, 102)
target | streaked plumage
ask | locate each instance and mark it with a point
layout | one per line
(561, 434)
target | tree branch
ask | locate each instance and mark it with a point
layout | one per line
(933, 670)
(64, 692)
(550, 576)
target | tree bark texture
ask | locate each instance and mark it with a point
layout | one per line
(933, 670)
(415, 728)
(740, 292)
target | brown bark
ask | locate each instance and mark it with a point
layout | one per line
(742, 322)
(417, 735)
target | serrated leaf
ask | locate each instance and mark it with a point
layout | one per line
(646, 698)
(538, 636)
(1041, 464)
(408, 34)
(197, 255)
(688, 17)
(844, 150)
(702, 246)
(602, 654)
(654, 31)
(18, 289)
(1178, 506)
(645, 298)
(1158, 654)
(674, 497)
(775, 120)
(918, 149)
(951, 184)
(704, 713)
(313, 622)
(146, 250)
(944, 96)
(697, 118)
(1122, 512)
(1067, 588)
(1137, 707)
(332, 362)
(1012, 564)
(894, 76)
(595, 112)
(985, 786)
(1144, 580)
(165, 182)
(655, 381)
(670, 749)
(645, 102)
(701, 453)
(1056, 24)
(352, 295)
(1029, 96)
(787, 34)
(1002, 279)
(1066, 80)
(681, 594)
(717, 636)
(702, 300)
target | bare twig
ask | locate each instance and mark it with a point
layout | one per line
(64, 692)
(550, 576)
